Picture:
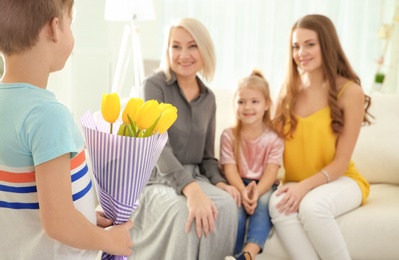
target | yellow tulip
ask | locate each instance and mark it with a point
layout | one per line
(110, 108)
(168, 117)
(148, 114)
(166, 106)
(132, 109)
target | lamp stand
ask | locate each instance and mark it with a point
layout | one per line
(131, 30)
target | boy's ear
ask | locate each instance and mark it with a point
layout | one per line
(53, 29)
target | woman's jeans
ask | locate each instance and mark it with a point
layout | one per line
(312, 233)
(259, 223)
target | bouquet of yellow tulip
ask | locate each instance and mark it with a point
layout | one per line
(123, 160)
(140, 119)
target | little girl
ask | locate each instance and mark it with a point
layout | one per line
(250, 156)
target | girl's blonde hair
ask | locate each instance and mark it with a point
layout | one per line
(335, 63)
(203, 40)
(255, 81)
(22, 21)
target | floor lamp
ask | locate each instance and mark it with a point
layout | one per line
(129, 11)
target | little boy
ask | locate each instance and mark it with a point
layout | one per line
(47, 199)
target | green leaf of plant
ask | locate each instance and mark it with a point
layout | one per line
(132, 126)
(130, 131)
(121, 130)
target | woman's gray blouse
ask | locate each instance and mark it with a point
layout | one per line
(191, 137)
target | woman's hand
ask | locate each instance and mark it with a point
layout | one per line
(201, 209)
(233, 191)
(293, 195)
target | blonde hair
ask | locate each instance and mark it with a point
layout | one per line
(335, 63)
(22, 21)
(203, 40)
(255, 81)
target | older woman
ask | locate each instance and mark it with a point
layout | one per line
(186, 211)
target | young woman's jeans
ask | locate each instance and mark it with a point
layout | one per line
(259, 223)
(313, 233)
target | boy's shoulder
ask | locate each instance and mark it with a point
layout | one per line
(31, 100)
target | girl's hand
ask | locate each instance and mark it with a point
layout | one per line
(200, 208)
(250, 197)
(233, 191)
(293, 195)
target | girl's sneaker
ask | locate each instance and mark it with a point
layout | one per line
(240, 256)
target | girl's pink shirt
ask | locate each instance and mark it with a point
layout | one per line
(254, 154)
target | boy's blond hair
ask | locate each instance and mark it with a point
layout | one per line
(22, 21)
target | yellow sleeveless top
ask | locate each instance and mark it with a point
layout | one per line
(312, 147)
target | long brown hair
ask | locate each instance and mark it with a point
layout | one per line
(255, 81)
(335, 63)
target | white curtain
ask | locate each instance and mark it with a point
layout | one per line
(254, 33)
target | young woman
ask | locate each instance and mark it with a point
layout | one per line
(320, 112)
(185, 211)
(250, 156)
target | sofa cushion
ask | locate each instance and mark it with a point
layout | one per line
(371, 231)
(378, 143)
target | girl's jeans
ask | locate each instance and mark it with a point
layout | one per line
(259, 223)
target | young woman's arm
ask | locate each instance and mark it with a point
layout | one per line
(352, 104)
(63, 222)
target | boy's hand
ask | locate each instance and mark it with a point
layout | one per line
(102, 221)
(120, 242)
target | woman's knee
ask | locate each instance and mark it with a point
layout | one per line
(224, 201)
(312, 207)
(273, 201)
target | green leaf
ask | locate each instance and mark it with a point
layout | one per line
(132, 126)
(122, 129)
(130, 131)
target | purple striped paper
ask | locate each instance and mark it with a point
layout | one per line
(121, 166)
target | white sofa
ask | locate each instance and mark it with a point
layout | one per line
(371, 231)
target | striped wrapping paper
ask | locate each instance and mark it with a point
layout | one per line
(121, 166)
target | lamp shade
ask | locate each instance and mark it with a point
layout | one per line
(127, 10)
